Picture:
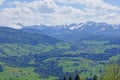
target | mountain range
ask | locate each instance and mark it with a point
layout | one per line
(77, 32)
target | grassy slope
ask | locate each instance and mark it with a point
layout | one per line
(93, 47)
(21, 74)
(23, 49)
(69, 64)
(18, 73)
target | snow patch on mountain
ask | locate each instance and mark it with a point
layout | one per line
(77, 26)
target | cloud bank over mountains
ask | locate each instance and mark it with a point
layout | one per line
(56, 12)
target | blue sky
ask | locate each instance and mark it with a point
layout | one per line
(113, 2)
(54, 12)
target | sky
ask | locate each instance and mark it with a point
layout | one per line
(57, 12)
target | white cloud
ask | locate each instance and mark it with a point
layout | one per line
(15, 26)
(2, 1)
(50, 12)
(92, 4)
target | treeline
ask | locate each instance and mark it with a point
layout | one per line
(77, 77)
(111, 72)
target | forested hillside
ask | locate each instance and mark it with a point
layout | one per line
(33, 56)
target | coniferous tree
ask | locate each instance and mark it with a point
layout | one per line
(10, 79)
(65, 78)
(95, 77)
(77, 77)
(70, 78)
(1, 68)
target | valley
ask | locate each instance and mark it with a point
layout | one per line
(53, 53)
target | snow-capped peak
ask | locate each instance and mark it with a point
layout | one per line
(77, 26)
